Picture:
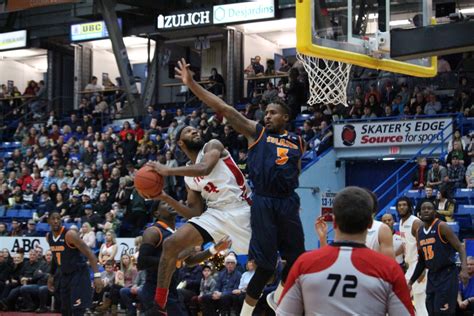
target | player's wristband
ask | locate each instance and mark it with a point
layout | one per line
(212, 250)
(97, 275)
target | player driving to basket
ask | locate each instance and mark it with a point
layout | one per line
(274, 163)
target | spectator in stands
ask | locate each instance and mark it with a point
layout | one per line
(3, 231)
(284, 66)
(388, 95)
(255, 69)
(443, 65)
(189, 278)
(101, 107)
(239, 293)
(6, 268)
(404, 93)
(16, 229)
(466, 291)
(194, 119)
(124, 278)
(398, 105)
(13, 280)
(88, 235)
(31, 229)
(108, 250)
(368, 114)
(36, 289)
(418, 102)
(459, 152)
(25, 276)
(307, 133)
(206, 289)
(164, 120)
(25, 178)
(456, 137)
(227, 281)
(433, 106)
(429, 196)
(270, 93)
(90, 217)
(445, 206)
(357, 109)
(295, 93)
(218, 87)
(388, 111)
(129, 295)
(456, 174)
(31, 89)
(372, 91)
(436, 174)
(470, 175)
(108, 279)
(420, 178)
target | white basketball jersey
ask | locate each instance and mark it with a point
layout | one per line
(372, 240)
(224, 187)
(397, 245)
(411, 250)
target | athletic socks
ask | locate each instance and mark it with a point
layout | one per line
(246, 310)
(161, 296)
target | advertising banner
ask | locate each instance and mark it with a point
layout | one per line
(244, 11)
(391, 133)
(90, 31)
(125, 245)
(12, 40)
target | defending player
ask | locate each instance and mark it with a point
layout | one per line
(68, 256)
(409, 225)
(346, 277)
(437, 245)
(213, 177)
(149, 259)
(274, 163)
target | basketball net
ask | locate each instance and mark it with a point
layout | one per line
(328, 80)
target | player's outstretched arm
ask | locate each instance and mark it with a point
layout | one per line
(72, 238)
(240, 123)
(386, 241)
(449, 235)
(213, 152)
(194, 208)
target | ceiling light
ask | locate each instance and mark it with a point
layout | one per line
(400, 22)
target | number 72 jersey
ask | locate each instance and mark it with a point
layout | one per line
(273, 163)
(345, 279)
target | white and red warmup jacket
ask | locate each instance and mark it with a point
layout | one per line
(345, 279)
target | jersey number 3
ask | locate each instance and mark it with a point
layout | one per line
(348, 289)
(282, 154)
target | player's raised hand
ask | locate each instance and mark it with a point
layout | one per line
(183, 72)
(223, 244)
(321, 227)
(160, 168)
(98, 285)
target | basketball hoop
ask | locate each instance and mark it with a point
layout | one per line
(328, 79)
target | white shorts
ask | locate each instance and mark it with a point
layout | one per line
(232, 222)
(417, 287)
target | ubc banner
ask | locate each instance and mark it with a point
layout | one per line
(125, 245)
(391, 133)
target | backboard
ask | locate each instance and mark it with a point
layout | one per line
(358, 32)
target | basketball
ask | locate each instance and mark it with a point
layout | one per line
(148, 182)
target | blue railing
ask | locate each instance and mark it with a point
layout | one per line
(399, 177)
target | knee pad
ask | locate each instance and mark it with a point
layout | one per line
(258, 282)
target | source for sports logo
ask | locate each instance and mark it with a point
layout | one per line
(348, 135)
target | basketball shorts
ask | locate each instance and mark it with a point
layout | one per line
(276, 229)
(75, 291)
(441, 291)
(417, 287)
(233, 222)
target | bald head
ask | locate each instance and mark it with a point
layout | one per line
(388, 220)
(352, 209)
